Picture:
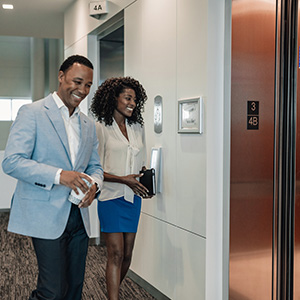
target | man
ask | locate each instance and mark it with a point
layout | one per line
(51, 150)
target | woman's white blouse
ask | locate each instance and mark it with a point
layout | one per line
(120, 157)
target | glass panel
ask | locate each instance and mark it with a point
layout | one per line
(5, 109)
(16, 104)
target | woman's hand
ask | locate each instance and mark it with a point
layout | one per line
(135, 185)
(131, 181)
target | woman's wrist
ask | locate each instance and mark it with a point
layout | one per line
(123, 179)
(115, 178)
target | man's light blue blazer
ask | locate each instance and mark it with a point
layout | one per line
(36, 148)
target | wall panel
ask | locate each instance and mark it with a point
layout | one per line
(172, 260)
(150, 57)
(167, 254)
(191, 82)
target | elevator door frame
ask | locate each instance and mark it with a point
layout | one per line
(284, 151)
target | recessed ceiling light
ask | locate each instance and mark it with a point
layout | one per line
(7, 6)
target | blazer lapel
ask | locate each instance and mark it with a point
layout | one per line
(83, 137)
(57, 122)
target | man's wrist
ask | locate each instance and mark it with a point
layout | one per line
(97, 187)
(57, 176)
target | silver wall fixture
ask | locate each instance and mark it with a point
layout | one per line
(158, 114)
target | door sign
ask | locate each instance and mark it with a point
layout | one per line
(252, 115)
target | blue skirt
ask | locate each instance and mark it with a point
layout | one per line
(119, 215)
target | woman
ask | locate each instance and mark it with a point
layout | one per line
(117, 105)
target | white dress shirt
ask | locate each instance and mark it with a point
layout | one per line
(72, 126)
(121, 157)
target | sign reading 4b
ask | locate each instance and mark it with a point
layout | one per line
(252, 115)
(98, 8)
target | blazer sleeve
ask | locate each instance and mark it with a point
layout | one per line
(94, 168)
(18, 161)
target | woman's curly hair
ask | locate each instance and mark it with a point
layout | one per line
(104, 101)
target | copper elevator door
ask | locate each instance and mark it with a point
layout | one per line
(251, 188)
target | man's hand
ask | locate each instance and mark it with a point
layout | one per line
(73, 180)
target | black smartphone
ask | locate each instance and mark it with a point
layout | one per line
(148, 180)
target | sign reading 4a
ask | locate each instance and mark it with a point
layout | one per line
(98, 8)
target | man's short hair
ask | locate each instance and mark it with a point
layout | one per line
(75, 59)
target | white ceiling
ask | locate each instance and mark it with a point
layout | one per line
(34, 18)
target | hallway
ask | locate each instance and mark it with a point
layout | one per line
(18, 270)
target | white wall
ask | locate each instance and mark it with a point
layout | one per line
(218, 148)
(169, 58)
(176, 50)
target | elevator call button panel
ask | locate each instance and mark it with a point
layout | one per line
(252, 115)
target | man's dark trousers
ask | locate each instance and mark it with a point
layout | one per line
(61, 262)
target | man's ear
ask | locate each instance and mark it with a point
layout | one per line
(61, 74)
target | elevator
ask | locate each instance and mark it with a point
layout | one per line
(111, 52)
(110, 59)
(265, 151)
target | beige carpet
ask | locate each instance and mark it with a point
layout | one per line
(18, 270)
